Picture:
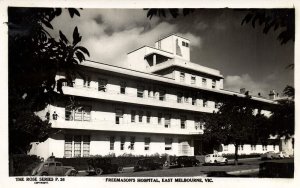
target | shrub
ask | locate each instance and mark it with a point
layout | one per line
(242, 156)
(125, 160)
(21, 165)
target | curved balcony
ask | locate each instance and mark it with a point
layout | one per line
(133, 99)
(125, 127)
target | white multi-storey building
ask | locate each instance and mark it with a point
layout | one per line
(155, 105)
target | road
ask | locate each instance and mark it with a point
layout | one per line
(246, 168)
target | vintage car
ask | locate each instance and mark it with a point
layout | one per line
(215, 159)
(270, 155)
(100, 166)
(53, 168)
(147, 164)
(282, 155)
(183, 161)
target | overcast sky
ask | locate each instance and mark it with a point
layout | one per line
(245, 56)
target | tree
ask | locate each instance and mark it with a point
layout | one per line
(234, 123)
(35, 57)
(278, 19)
(283, 119)
(283, 19)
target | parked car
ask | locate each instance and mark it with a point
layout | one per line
(53, 168)
(100, 166)
(147, 164)
(215, 159)
(269, 155)
(282, 155)
(195, 161)
(183, 161)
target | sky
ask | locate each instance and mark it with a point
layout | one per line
(245, 56)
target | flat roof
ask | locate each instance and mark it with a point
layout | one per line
(186, 65)
(148, 47)
(172, 35)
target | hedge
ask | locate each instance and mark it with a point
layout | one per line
(242, 156)
(22, 165)
(126, 160)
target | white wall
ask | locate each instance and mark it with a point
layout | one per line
(40, 149)
(100, 144)
(136, 61)
(247, 149)
(188, 75)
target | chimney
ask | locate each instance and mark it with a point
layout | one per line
(243, 90)
(272, 95)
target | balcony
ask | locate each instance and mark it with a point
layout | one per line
(114, 96)
(125, 127)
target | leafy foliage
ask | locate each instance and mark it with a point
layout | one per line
(289, 91)
(275, 18)
(174, 12)
(35, 57)
(235, 123)
(283, 119)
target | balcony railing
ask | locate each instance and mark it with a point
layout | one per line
(112, 95)
(125, 127)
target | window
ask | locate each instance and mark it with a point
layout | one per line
(168, 143)
(193, 80)
(253, 147)
(213, 84)
(77, 146)
(204, 82)
(140, 91)
(182, 122)
(241, 147)
(132, 141)
(58, 164)
(148, 117)
(185, 44)
(186, 98)
(86, 146)
(182, 77)
(147, 143)
(86, 81)
(194, 100)
(141, 116)
(123, 87)
(225, 148)
(68, 146)
(205, 103)
(274, 147)
(133, 113)
(264, 148)
(122, 144)
(68, 114)
(119, 115)
(51, 164)
(179, 97)
(198, 123)
(111, 143)
(82, 113)
(159, 118)
(102, 85)
(162, 95)
(167, 121)
(150, 93)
